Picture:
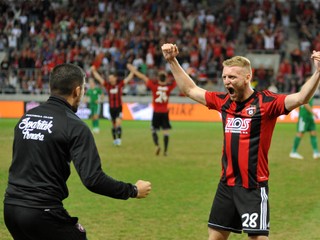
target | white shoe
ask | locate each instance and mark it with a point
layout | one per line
(119, 142)
(96, 130)
(296, 155)
(316, 155)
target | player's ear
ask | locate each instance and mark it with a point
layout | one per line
(77, 92)
(248, 77)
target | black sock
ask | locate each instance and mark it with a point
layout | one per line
(119, 132)
(114, 133)
(155, 138)
(166, 142)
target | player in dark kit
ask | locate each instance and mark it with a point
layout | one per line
(161, 90)
(46, 139)
(248, 117)
(114, 91)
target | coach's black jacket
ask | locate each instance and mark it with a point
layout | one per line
(46, 139)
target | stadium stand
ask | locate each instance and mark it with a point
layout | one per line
(277, 36)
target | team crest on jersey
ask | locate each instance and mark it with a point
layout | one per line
(251, 110)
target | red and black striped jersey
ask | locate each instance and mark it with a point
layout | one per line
(248, 127)
(114, 93)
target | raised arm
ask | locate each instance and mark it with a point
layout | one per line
(308, 89)
(128, 78)
(96, 75)
(184, 81)
(135, 71)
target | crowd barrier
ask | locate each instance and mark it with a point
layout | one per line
(142, 111)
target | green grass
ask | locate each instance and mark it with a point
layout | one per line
(183, 184)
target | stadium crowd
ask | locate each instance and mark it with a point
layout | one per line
(36, 35)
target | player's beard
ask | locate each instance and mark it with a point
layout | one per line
(77, 101)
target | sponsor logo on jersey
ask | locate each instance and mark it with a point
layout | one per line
(238, 125)
(114, 90)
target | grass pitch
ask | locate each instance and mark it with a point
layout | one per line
(183, 184)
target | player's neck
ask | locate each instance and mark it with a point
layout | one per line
(247, 94)
(162, 83)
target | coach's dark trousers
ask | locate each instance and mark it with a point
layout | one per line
(42, 224)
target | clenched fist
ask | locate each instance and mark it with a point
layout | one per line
(169, 51)
(144, 188)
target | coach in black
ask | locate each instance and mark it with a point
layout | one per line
(46, 139)
(241, 202)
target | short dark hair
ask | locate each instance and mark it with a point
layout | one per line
(64, 78)
(162, 75)
(113, 72)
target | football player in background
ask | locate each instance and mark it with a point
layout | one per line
(94, 96)
(114, 89)
(306, 123)
(161, 90)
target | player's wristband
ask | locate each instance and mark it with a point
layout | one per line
(134, 192)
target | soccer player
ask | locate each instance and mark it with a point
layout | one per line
(114, 91)
(161, 90)
(248, 117)
(306, 123)
(46, 139)
(94, 95)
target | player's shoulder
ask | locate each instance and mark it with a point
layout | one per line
(268, 93)
(220, 95)
(75, 122)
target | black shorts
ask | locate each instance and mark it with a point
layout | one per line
(238, 209)
(38, 224)
(160, 120)
(115, 113)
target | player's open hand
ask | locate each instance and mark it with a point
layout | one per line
(169, 51)
(144, 188)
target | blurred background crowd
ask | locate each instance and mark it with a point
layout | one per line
(36, 35)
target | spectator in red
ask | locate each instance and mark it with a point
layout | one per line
(316, 42)
(194, 57)
(285, 70)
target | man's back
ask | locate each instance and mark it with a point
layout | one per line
(41, 159)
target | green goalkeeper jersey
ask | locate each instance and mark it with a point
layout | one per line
(304, 113)
(94, 95)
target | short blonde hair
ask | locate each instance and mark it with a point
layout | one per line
(238, 61)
